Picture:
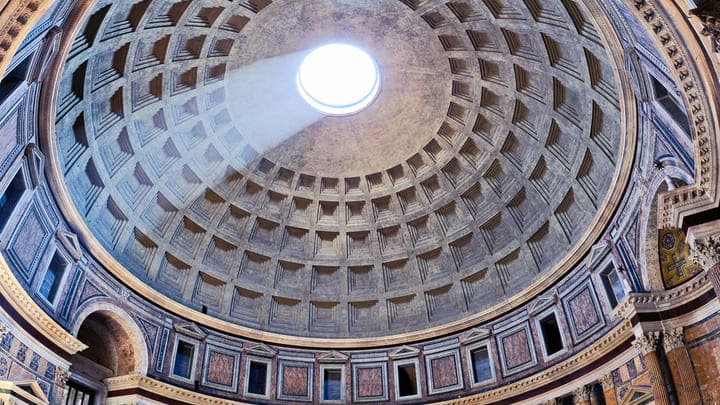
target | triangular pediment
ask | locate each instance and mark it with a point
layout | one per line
(541, 304)
(332, 357)
(260, 349)
(405, 351)
(28, 390)
(190, 329)
(475, 334)
(636, 396)
(597, 253)
(70, 241)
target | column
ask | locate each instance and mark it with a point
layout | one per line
(608, 386)
(707, 255)
(581, 395)
(647, 346)
(680, 367)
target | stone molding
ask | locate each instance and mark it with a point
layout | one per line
(4, 331)
(167, 391)
(673, 339)
(647, 343)
(706, 252)
(26, 307)
(659, 300)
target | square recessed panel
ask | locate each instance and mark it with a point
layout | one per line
(29, 241)
(295, 381)
(221, 368)
(443, 372)
(517, 349)
(583, 312)
(370, 382)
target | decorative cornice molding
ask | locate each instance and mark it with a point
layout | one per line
(165, 390)
(673, 339)
(638, 302)
(26, 307)
(647, 343)
(706, 252)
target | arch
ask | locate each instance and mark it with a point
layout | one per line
(119, 333)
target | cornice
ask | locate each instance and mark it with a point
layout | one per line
(640, 302)
(26, 307)
(135, 384)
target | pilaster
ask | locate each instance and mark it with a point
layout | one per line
(686, 385)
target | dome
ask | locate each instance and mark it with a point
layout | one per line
(483, 169)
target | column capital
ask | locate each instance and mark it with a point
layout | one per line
(4, 330)
(673, 338)
(607, 381)
(581, 394)
(647, 343)
(61, 376)
(706, 252)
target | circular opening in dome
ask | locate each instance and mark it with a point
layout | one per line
(338, 79)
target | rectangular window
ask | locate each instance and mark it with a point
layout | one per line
(332, 384)
(184, 355)
(257, 378)
(613, 286)
(551, 335)
(14, 78)
(11, 196)
(53, 276)
(481, 365)
(406, 380)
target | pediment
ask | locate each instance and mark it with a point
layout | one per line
(332, 357)
(475, 334)
(190, 329)
(405, 351)
(261, 349)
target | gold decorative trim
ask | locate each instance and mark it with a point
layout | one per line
(606, 210)
(139, 381)
(16, 295)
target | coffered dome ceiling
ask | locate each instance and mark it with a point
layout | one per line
(481, 168)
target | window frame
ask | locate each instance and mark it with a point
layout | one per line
(268, 376)
(343, 386)
(60, 282)
(403, 362)
(541, 336)
(471, 369)
(193, 361)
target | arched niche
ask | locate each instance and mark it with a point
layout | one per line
(115, 343)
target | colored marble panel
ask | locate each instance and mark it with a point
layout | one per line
(295, 381)
(30, 240)
(583, 311)
(517, 349)
(220, 368)
(370, 382)
(444, 372)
